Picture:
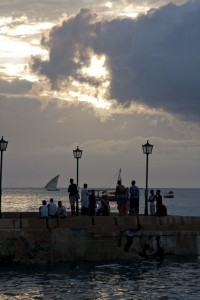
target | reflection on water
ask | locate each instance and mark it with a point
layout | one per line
(185, 202)
(139, 279)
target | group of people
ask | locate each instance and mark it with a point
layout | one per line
(156, 205)
(88, 199)
(128, 200)
(52, 210)
(89, 203)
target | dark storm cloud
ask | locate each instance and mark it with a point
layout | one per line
(154, 59)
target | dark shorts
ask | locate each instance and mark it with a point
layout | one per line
(120, 198)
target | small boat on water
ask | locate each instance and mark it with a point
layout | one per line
(169, 194)
(104, 193)
(52, 184)
(107, 193)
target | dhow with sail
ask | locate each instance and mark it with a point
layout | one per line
(52, 184)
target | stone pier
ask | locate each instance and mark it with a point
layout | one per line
(26, 239)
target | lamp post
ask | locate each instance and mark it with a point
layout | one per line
(3, 146)
(147, 149)
(77, 154)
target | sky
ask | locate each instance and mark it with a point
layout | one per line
(105, 76)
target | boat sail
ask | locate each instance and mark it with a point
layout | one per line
(52, 184)
(108, 190)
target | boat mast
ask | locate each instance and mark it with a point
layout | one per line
(119, 175)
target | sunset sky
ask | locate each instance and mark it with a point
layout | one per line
(105, 76)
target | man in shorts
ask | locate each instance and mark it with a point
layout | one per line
(73, 194)
(134, 198)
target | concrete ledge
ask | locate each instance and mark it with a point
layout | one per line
(11, 215)
(80, 222)
(52, 223)
(194, 220)
(27, 214)
(33, 223)
(9, 224)
(126, 222)
(104, 223)
(149, 220)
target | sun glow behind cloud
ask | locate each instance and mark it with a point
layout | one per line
(20, 39)
(22, 26)
(83, 91)
(96, 67)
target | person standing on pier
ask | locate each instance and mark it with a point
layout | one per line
(92, 203)
(120, 196)
(85, 200)
(158, 199)
(134, 198)
(73, 194)
(151, 200)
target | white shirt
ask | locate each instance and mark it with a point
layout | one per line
(43, 211)
(52, 207)
(84, 197)
(62, 210)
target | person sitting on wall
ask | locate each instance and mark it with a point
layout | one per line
(52, 208)
(61, 211)
(104, 207)
(161, 209)
(43, 210)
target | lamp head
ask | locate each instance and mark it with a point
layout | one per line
(3, 144)
(147, 148)
(77, 152)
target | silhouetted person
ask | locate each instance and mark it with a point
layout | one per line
(52, 208)
(134, 198)
(161, 209)
(43, 210)
(73, 195)
(61, 211)
(120, 196)
(92, 203)
(85, 200)
(151, 200)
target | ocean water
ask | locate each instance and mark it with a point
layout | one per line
(139, 279)
(142, 279)
(186, 201)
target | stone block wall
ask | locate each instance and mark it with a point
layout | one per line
(27, 239)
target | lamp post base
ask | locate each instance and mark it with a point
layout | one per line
(146, 203)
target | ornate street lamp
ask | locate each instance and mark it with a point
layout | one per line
(77, 154)
(147, 149)
(3, 146)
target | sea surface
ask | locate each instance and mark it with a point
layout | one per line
(185, 202)
(139, 279)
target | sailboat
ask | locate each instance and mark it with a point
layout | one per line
(52, 184)
(107, 190)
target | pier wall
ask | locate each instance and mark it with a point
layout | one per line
(26, 239)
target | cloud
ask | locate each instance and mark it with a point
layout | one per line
(153, 59)
(16, 86)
